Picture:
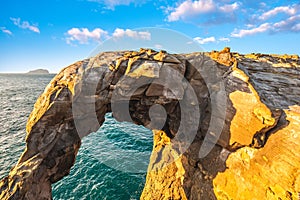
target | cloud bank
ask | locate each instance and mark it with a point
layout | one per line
(84, 35)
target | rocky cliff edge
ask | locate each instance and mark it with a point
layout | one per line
(231, 123)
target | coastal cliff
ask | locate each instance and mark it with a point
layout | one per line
(230, 128)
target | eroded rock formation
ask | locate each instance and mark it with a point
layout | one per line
(249, 105)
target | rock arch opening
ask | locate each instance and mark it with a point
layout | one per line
(102, 170)
(128, 84)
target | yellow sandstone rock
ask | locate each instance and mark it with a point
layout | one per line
(223, 57)
(165, 174)
(251, 114)
(272, 172)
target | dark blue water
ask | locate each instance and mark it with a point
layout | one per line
(107, 165)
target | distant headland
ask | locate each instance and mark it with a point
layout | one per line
(38, 71)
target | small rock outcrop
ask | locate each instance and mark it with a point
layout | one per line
(230, 126)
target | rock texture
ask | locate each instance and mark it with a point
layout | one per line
(254, 100)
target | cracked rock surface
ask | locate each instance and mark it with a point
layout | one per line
(245, 109)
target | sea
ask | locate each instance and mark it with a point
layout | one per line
(100, 171)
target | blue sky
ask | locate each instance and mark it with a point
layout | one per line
(53, 34)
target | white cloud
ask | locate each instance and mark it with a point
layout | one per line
(296, 28)
(189, 9)
(224, 39)
(205, 40)
(25, 25)
(275, 11)
(111, 4)
(5, 30)
(229, 7)
(249, 26)
(211, 39)
(245, 32)
(290, 24)
(142, 35)
(262, 4)
(166, 9)
(83, 35)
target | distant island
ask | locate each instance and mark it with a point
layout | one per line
(38, 71)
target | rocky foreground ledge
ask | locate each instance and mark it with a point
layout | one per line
(257, 151)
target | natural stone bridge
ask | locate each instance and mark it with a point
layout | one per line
(247, 104)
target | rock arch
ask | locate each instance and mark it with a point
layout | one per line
(76, 100)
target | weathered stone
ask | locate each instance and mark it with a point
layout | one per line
(273, 172)
(165, 173)
(252, 101)
(224, 57)
(147, 69)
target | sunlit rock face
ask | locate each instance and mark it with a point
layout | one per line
(225, 125)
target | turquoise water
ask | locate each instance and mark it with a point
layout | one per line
(97, 173)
